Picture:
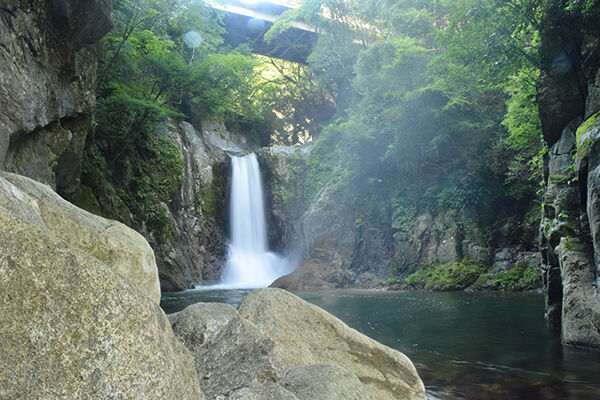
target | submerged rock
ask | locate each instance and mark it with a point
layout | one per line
(73, 327)
(304, 334)
(111, 242)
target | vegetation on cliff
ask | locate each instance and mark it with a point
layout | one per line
(437, 110)
(166, 61)
(414, 107)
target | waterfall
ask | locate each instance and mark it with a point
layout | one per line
(249, 264)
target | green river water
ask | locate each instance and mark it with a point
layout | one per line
(471, 346)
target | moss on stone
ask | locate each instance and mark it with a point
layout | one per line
(447, 276)
(519, 278)
(85, 198)
(584, 141)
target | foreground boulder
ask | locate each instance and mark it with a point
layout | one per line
(304, 335)
(325, 382)
(265, 391)
(72, 327)
(229, 352)
(278, 346)
(111, 242)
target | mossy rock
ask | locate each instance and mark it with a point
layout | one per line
(517, 279)
(84, 198)
(585, 137)
(447, 276)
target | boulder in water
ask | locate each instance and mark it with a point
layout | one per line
(229, 352)
(264, 391)
(325, 382)
(304, 334)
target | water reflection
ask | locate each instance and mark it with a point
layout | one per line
(472, 346)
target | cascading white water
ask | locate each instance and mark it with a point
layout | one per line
(249, 264)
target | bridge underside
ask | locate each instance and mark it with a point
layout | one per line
(249, 23)
(294, 45)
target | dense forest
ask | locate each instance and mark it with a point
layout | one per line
(414, 107)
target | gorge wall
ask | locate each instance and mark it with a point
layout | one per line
(346, 241)
(569, 101)
(187, 226)
(79, 313)
(47, 86)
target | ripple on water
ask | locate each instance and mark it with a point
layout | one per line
(466, 346)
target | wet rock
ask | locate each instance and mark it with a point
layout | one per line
(197, 214)
(304, 334)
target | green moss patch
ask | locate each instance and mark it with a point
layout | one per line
(584, 141)
(447, 276)
(519, 278)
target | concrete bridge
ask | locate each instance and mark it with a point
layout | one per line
(247, 21)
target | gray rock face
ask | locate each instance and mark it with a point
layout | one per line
(581, 302)
(571, 221)
(47, 83)
(337, 250)
(198, 214)
(111, 242)
(309, 335)
(229, 352)
(324, 382)
(265, 391)
(73, 327)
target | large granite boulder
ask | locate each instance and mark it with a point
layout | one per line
(264, 391)
(111, 242)
(325, 382)
(73, 327)
(304, 334)
(230, 353)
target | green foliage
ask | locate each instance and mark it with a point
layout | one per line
(147, 75)
(524, 134)
(221, 85)
(447, 276)
(517, 279)
(436, 107)
(293, 101)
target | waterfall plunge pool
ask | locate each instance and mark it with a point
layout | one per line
(471, 346)
(250, 264)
